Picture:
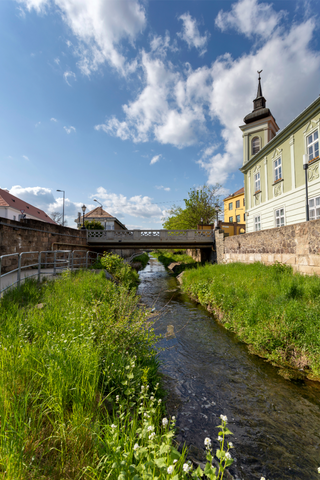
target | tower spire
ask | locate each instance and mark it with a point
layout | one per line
(259, 92)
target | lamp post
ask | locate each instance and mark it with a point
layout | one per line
(217, 211)
(83, 212)
(95, 200)
(201, 220)
(305, 168)
(62, 205)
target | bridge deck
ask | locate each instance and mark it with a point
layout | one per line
(152, 238)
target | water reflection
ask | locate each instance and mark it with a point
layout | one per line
(276, 423)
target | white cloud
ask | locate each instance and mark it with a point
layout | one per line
(68, 74)
(169, 109)
(57, 61)
(100, 27)
(53, 119)
(190, 33)
(250, 18)
(25, 157)
(120, 205)
(155, 159)
(37, 124)
(69, 129)
(161, 187)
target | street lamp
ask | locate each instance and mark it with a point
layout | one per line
(95, 200)
(201, 220)
(217, 207)
(62, 205)
(84, 208)
(305, 168)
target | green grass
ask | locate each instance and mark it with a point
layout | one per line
(166, 257)
(269, 307)
(143, 259)
(79, 384)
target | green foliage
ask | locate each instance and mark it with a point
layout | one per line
(166, 257)
(93, 225)
(201, 203)
(269, 307)
(120, 270)
(143, 259)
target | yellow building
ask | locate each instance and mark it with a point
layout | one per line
(234, 207)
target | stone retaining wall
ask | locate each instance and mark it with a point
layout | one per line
(297, 245)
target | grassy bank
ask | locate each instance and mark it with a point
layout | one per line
(79, 393)
(166, 257)
(143, 259)
(273, 310)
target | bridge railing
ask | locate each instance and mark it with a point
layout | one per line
(16, 267)
(150, 236)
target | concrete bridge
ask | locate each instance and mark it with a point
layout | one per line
(151, 238)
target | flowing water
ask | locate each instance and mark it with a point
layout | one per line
(276, 423)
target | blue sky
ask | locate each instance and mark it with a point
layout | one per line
(133, 102)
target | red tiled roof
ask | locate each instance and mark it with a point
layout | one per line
(8, 200)
(238, 192)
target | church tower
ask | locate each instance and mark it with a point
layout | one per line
(260, 126)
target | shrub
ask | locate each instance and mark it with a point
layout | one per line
(93, 225)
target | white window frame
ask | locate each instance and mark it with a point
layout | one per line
(277, 217)
(257, 182)
(313, 143)
(257, 223)
(277, 169)
(314, 208)
(259, 145)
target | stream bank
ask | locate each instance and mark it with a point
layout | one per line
(276, 423)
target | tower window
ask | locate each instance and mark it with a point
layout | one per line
(255, 145)
(313, 146)
(257, 182)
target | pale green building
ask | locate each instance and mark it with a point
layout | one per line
(273, 166)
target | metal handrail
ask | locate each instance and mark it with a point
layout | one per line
(57, 264)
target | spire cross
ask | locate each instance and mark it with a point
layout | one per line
(258, 72)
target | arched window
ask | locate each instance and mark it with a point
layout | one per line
(255, 145)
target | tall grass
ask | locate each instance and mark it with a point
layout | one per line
(79, 393)
(269, 307)
(166, 257)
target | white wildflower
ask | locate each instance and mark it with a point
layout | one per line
(173, 418)
(117, 398)
(224, 418)
(230, 445)
(175, 460)
(220, 439)
(159, 401)
(113, 426)
(170, 469)
(186, 468)
(150, 428)
(164, 421)
(152, 398)
(207, 442)
(152, 435)
(228, 456)
(318, 469)
(136, 446)
(262, 478)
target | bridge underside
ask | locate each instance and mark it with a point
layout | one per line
(150, 245)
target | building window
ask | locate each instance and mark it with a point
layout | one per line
(277, 169)
(238, 218)
(230, 206)
(244, 217)
(255, 145)
(14, 217)
(257, 182)
(230, 219)
(279, 217)
(244, 202)
(313, 145)
(257, 223)
(314, 208)
(238, 204)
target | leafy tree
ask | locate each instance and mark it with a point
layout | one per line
(201, 203)
(93, 225)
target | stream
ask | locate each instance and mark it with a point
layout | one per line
(275, 422)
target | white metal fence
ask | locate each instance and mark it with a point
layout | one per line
(19, 266)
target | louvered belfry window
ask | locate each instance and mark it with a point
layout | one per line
(255, 145)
